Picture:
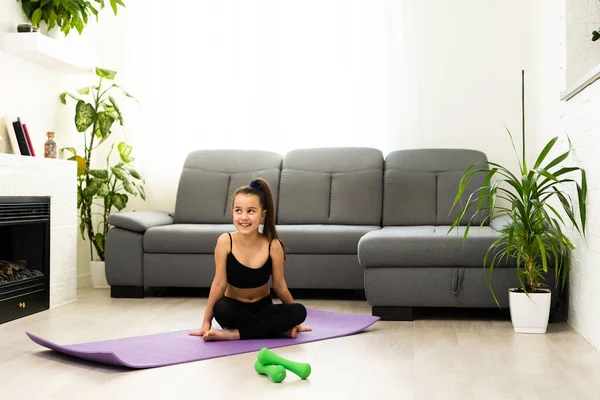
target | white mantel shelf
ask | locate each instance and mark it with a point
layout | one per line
(57, 54)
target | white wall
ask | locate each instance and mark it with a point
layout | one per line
(465, 62)
(455, 76)
(582, 17)
(559, 40)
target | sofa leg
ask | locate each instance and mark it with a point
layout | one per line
(393, 313)
(118, 292)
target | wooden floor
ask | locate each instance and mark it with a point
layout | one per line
(434, 358)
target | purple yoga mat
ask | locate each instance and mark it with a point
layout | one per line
(170, 348)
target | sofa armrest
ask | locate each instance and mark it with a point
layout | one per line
(500, 222)
(139, 221)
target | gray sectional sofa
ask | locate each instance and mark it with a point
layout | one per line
(350, 217)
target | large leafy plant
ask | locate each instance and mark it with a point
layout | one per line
(108, 187)
(535, 235)
(65, 14)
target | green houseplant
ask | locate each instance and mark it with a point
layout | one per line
(106, 187)
(65, 14)
(535, 235)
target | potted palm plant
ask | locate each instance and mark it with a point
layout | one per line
(100, 190)
(535, 233)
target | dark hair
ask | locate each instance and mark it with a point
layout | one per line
(261, 188)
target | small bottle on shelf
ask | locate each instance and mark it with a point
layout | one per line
(50, 150)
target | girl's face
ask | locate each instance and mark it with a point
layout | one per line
(247, 213)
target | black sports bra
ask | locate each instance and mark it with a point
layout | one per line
(243, 277)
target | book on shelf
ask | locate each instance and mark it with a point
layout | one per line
(28, 140)
(21, 138)
(12, 137)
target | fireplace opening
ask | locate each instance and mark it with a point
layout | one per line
(24, 256)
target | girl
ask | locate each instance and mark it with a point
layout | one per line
(239, 296)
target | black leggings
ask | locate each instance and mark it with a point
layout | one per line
(258, 320)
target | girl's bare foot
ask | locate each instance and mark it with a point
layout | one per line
(292, 333)
(221, 334)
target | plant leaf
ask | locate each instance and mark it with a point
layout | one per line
(105, 73)
(36, 17)
(81, 167)
(99, 173)
(105, 122)
(545, 152)
(103, 190)
(85, 90)
(99, 239)
(125, 92)
(113, 5)
(63, 97)
(134, 173)
(117, 110)
(129, 187)
(120, 173)
(141, 192)
(82, 228)
(91, 190)
(84, 115)
(582, 197)
(125, 152)
(543, 253)
(119, 200)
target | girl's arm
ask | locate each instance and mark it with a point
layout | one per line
(219, 283)
(279, 284)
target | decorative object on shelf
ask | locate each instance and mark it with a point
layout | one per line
(65, 14)
(2, 145)
(111, 184)
(50, 150)
(21, 28)
(535, 232)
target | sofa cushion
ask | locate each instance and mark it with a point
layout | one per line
(184, 238)
(322, 239)
(425, 246)
(209, 178)
(340, 186)
(420, 185)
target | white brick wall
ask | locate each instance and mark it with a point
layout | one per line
(582, 123)
(37, 176)
(582, 17)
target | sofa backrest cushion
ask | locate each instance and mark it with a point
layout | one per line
(209, 178)
(341, 186)
(420, 185)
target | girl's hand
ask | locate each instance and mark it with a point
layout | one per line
(200, 332)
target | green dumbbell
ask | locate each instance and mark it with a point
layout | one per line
(275, 372)
(267, 357)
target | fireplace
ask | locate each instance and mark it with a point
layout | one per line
(24, 256)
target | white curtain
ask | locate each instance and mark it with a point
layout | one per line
(273, 75)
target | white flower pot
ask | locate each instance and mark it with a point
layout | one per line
(98, 275)
(529, 314)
